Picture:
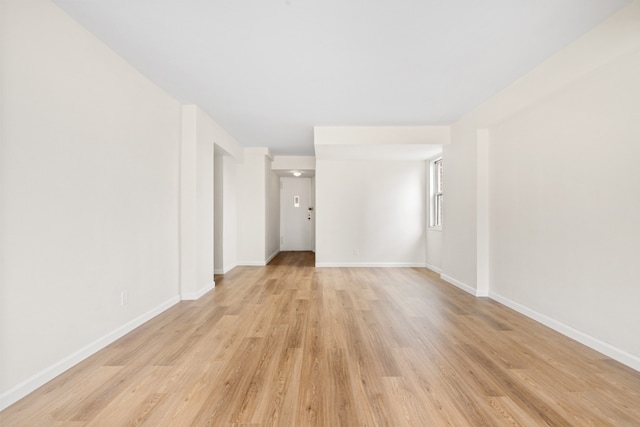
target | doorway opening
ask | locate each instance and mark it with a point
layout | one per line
(297, 214)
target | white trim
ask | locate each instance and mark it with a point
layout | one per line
(370, 264)
(192, 296)
(252, 263)
(482, 293)
(38, 380)
(469, 289)
(224, 270)
(273, 255)
(433, 268)
(260, 263)
(607, 349)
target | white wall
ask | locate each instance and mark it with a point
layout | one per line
(214, 140)
(202, 139)
(371, 193)
(229, 214)
(291, 163)
(272, 209)
(382, 135)
(188, 227)
(210, 130)
(565, 205)
(89, 195)
(251, 207)
(370, 212)
(258, 211)
(458, 262)
(205, 209)
(196, 205)
(225, 213)
(434, 250)
(562, 236)
(218, 214)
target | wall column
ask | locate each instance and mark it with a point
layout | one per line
(482, 217)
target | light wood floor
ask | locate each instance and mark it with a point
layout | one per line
(291, 345)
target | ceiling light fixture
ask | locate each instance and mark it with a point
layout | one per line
(296, 173)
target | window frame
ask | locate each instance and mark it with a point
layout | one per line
(436, 193)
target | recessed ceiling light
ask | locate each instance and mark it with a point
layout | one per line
(296, 173)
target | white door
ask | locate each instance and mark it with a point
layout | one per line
(296, 214)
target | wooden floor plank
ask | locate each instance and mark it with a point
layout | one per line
(291, 345)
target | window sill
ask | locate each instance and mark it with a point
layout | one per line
(434, 228)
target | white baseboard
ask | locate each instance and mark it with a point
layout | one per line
(482, 292)
(433, 268)
(259, 263)
(600, 346)
(369, 264)
(24, 388)
(192, 296)
(252, 263)
(224, 270)
(272, 256)
(469, 289)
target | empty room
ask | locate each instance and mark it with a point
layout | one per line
(319, 213)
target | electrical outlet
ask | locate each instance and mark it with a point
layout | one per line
(124, 298)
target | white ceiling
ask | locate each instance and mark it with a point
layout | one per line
(269, 70)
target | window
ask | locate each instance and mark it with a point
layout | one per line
(436, 193)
